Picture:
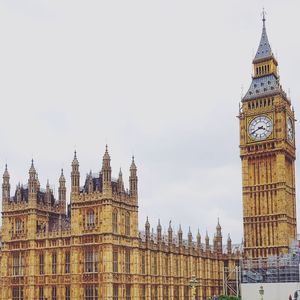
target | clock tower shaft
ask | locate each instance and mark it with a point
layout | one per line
(267, 149)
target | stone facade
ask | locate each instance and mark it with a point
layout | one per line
(95, 250)
(267, 147)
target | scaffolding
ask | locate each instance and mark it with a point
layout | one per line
(231, 282)
(283, 268)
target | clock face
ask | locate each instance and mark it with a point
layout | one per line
(260, 128)
(290, 130)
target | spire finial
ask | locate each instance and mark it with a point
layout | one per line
(32, 168)
(264, 16)
(133, 166)
(106, 154)
(6, 174)
(179, 228)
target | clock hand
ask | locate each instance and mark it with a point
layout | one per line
(260, 127)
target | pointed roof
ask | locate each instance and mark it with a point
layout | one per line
(206, 236)
(120, 173)
(147, 225)
(264, 49)
(75, 160)
(6, 174)
(228, 239)
(180, 230)
(32, 168)
(218, 225)
(133, 166)
(106, 154)
(170, 227)
(266, 84)
(158, 225)
(62, 177)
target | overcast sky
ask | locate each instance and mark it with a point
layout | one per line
(158, 79)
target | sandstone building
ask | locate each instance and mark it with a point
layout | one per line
(267, 147)
(95, 250)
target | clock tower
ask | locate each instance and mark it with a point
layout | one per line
(267, 148)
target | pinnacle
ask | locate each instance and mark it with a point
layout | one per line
(147, 222)
(120, 173)
(218, 225)
(75, 160)
(158, 225)
(170, 226)
(32, 168)
(62, 177)
(133, 166)
(6, 174)
(106, 154)
(180, 230)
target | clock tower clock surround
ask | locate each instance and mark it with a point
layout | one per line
(267, 150)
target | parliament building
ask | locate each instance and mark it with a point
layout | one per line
(95, 250)
(90, 247)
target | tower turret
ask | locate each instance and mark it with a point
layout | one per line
(75, 177)
(133, 180)
(170, 234)
(62, 192)
(207, 248)
(190, 238)
(219, 239)
(33, 185)
(6, 186)
(198, 239)
(158, 231)
(147, 229)
(18, 192)
(90, 182)
(48, 194)
(106, 173)
(180, 236)
(229, 245)
(120, 182)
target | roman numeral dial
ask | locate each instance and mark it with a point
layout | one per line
(260, 128)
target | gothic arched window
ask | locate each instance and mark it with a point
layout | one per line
(127, 223)
(90, 218)
(115, 221)
(19, 226)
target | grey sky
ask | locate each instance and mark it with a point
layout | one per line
(160, 79)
